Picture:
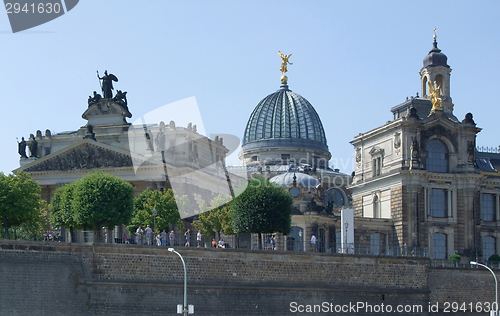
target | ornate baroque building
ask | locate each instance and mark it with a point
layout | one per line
(420, 184)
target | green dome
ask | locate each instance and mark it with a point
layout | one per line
(284, 119)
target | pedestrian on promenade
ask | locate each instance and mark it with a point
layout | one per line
(198, 238)
(313, 243)
(149, 232)
(163, 238)
(187, 234)
(171, 238)
(138, 235)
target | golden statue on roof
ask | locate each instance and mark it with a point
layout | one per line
(435, 92)
(434, 36)
(283, 69)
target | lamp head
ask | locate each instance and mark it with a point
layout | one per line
(473, 262)
(171, 249)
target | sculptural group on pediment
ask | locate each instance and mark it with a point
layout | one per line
(85, 157)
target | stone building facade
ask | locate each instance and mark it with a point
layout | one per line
(422, 172)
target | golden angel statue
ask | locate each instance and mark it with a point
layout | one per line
(435, 92)
(284, 58)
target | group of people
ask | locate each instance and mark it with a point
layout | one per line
(220, 244)
(161, 238)
(48, 236)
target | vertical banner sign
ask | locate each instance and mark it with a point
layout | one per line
(26, 14)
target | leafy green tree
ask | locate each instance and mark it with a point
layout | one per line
(20, 201)
(166, 205)
(218, 219)
(263, 207)
(62, 210)
(101, 199)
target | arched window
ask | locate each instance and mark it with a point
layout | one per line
(489, 247)
(424, 87)
(437, 156)
(439, 246)
(335, 197)
(439, 83)
(376, 207)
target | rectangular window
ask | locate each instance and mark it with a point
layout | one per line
(377, 166)
(439, 246)
(438, 203)
(375, 244)
(489, 247)
(488, 209)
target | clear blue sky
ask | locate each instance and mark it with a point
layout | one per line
(353, 60)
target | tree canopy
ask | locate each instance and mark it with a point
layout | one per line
(263, 207)
(20, 201)
(62, 211)
(101, 200)
(166, 205)
(217, 219)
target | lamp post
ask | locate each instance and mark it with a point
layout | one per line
(346, 224)
(185, 309)
(496, 283)
(155, 212)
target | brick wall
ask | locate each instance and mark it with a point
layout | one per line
(72, 279)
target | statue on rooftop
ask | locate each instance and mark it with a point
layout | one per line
(284, 59)
(121, 99)
(33, 146)
(107, 84)
(21, 148)
(435, 92)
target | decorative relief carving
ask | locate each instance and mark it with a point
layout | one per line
(358, 155)
(397, 140)
(84, 157)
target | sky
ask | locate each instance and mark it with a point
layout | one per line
(352, 60)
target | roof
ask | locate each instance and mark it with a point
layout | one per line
(284, 119)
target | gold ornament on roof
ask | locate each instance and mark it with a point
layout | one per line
(435, 92)
(434, 36)
(283, 69)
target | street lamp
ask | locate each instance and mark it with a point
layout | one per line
(496, 283)
(185, 309)
(155, 212)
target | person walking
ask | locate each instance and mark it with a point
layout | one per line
(198, 238)
(313, 243)
(187, 234)
(149, 232)
(138, 235)
(171, 238)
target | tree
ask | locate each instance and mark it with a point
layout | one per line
(62, 210)
(217, 219)
(263, 207)
(20, 201)
(101, 199)
(166, 205)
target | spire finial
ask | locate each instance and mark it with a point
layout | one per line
(434, 36)
(284, 62)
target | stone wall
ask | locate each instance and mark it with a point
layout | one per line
(76, 279)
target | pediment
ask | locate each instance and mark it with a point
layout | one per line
(376, 151)
(106, 107)
(84, 155)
